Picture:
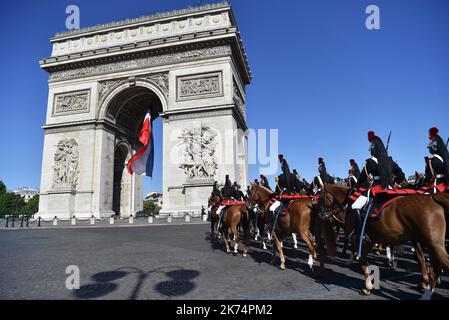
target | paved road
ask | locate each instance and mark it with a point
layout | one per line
(175, 262)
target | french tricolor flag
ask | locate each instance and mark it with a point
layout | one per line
(142, 161)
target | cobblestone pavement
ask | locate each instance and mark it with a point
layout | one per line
(177, 262)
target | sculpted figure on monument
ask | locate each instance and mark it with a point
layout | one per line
(199, 149)
(66, 163)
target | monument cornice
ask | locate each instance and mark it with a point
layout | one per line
(153, 18)
(194, 113)
(60, 68)
(176, 28)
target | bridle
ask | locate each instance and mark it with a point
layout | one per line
(330, 213)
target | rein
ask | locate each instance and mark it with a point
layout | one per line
(337, 206)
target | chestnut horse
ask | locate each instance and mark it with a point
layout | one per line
(419, 219)
(297, 219)
(232, 217)
(213, 201)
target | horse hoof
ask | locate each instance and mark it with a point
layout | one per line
(421, 287)
(228, 251)
(366, 292)
(282, 267)
(234, 254)
(244, 254)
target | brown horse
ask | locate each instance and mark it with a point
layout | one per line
(212, 203)
(297, 219)
(415, 218)
(233, 217)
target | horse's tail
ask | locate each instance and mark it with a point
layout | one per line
(443, 200)
(330, 238)
(441, 255)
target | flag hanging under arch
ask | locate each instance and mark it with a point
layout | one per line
(142, 161)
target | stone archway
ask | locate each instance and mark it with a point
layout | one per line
(188, 66)
(127, 109)
(122, 182)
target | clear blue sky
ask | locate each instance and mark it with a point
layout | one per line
(320, 77)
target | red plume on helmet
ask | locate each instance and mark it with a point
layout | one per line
(371, 136)
(433, 132)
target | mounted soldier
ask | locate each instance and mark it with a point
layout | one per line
(352, 179)
(285, 178)
(380, 168)
(354, 168)
(227, 190)
(298, 185)
(237, 194)
(264, 182)
(438, 163)
(325, 177)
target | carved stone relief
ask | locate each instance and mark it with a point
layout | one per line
(153, 60)
(200, 86)
(238, 100)
(66, 164)
(199, 152)
(71, 102)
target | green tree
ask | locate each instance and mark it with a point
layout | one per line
(2, 188)
(150, 207)
(11, 203)
(31, 207)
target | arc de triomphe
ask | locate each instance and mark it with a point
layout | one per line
(188, 67)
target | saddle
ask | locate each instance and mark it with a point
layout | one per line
(386, 197)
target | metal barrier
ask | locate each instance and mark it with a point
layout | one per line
(25, 221)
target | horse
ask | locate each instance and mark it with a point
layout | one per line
(419, 219)
(233, 217)
(213, 204)
(297, 219)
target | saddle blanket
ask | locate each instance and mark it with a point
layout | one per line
(229, 202)
(378, 208)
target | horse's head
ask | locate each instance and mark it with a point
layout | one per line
(331, 202)
(214, 199)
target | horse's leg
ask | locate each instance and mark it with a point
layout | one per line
(307, 238)
(438, 259)
(246, 237)
(295, 241)
(277, 246)
(236, 236)
(419, 255)
(364, 262)
(226, 240)
(391, 263)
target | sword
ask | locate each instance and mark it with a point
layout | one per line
(388, 141)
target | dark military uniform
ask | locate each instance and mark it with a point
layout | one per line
(436, 169)
(399, 175)
(371, 168)
(227, 191)
(355, 168)
(285, 179)
(325, 177)
(264, 182)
